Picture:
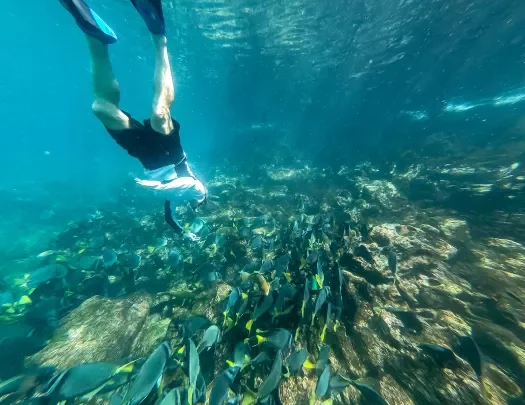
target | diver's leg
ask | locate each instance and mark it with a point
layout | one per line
(105, 87)
(164, 93)
(106, 90)
(153, 16)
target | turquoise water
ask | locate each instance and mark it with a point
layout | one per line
(375, 148)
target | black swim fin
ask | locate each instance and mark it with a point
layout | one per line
(151, 12)
(89, 21)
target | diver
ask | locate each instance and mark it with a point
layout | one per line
(156, 141)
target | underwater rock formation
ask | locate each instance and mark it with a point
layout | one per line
(100, 329)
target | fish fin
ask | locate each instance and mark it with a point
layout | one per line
(244, 296)
(10, 310)
(303, 263)
(181, 350)
(151, 249)
(313, 319)
(328, 401)
(260, 339)
(323, 333)
(319, 280)
(288, 277)
(230, 363)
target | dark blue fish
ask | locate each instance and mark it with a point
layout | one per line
(366, 387)
(323, 383)
(338, 383)
(81, 380)
(171, 398)
(135, 261)
(261, 358)
(323, 358)
(222, 385)
(281, 264)
(281, 339)
(149, 376)
(468, 349)
(109, 258)
(189, 327)
(211, 336)
(234, 296)
(267, 265)
(362, 251)
(441, 355)
(245, 232)
(97, 242)
(45, 274)
(175, 259)
(296, 360)
(256, 242)
(194, 368)
(392, 262)
(273, 379)
(320, 300)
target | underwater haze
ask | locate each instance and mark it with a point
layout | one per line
(362, 234)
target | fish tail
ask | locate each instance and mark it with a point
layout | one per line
(336, 325)
(249, 325)
(126, 368)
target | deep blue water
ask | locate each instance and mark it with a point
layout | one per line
(332, 83)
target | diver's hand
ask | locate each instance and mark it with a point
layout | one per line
(191, 236)
(148, 183)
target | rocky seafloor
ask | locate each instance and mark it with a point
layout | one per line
(461, 270)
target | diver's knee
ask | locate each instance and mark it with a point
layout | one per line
(110, 115)
(161, 119)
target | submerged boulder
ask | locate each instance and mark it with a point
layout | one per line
(100, 329)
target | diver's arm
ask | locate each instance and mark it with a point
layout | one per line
(170, 220)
